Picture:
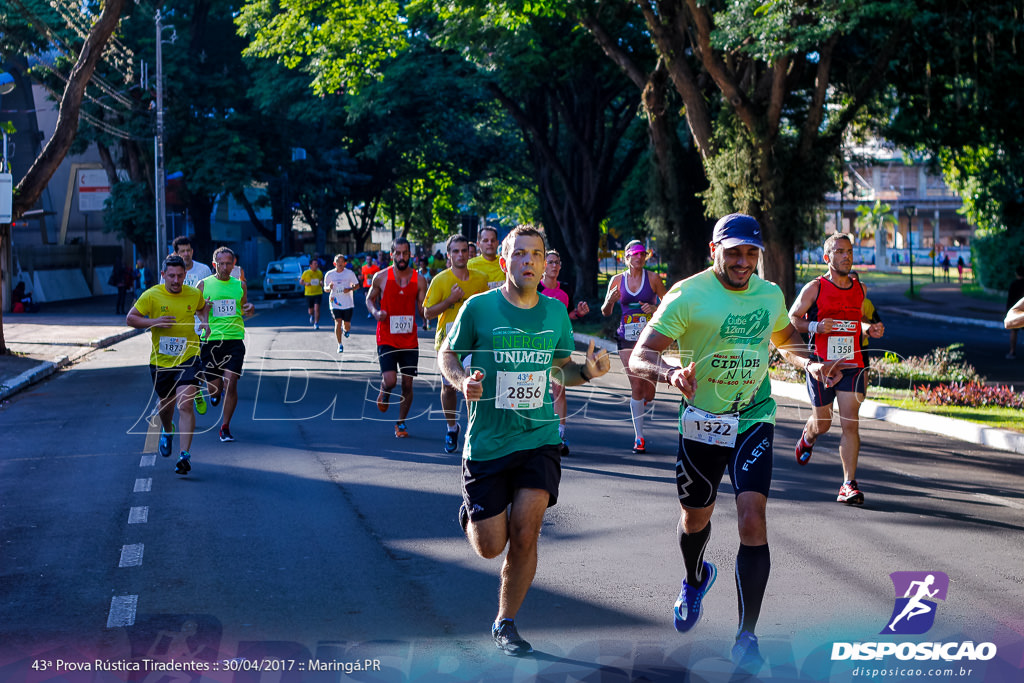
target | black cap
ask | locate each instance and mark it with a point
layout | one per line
(736, 229)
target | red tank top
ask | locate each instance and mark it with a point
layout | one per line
(399, 302)
(844, 307)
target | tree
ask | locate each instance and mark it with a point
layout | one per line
(957, 96)
(573, 109)
(877, 218)
(32, 185)
(787, 79)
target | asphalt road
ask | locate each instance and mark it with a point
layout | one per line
(318, 539)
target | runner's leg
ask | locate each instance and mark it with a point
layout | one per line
(406, 404)
(753, 560)
(520, 566)
(230, 396)
(849, 445)
(186, 394)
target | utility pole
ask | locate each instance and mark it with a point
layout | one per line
(160, 187)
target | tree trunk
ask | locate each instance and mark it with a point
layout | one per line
(32, 185)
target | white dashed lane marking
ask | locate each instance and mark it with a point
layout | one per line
(122, 611)
(143, 485)
(138, 515)
(147, 461)
(131, 555)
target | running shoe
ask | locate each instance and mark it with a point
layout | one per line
(346, 334)
(464, 518)
(451, 439)
(688, 606)
(200, 403)
(850, 494)
(316, 326)
(165, 441)
(745, 653)
(508, 640)
(225, 434)
(803, 450)
(310, 318)
(400, 431)
(639, 446)
(215, 400)
(383, 398)
(184, 465)
(341, 348)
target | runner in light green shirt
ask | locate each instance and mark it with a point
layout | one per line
(723, 320)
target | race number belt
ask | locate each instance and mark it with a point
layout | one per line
(633, 324)
(520, 390)
(401, 324)
(223, 308)
(710, 428)
(172, 346)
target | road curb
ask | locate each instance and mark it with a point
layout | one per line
(976, 322)
(962, 430)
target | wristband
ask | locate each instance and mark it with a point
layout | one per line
(583, 376)
(812, 327)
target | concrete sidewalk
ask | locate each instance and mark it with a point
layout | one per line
(67, 332)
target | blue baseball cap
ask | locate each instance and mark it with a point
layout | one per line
(736, 229)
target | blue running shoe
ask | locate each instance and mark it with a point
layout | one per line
(688, 607)
(346, 334)
(165, 441)
(184, 465)
(508, 640)
(215, 400)
(745, 653)
(451, 439)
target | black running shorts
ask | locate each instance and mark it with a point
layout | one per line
(489, 486)
(166, 380)
(700, 466)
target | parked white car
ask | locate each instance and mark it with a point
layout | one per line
(282, 278)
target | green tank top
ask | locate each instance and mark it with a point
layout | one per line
(225, 301)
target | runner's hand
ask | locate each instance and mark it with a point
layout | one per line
(456, 294)
(648, 308)
(249, 308)
(876, 330)
(472, 388)
(613, 295)
(683, 379)
(204, 330)
(827, 374)
(164, 321)
(582, 308)
(597, 363)
(825, 326)
(380, 315)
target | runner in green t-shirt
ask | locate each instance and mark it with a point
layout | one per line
(445, 295)
(223, 353)
(723, 320)
(511, 455)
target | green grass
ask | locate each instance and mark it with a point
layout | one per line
(1000, 418)
(869, 276)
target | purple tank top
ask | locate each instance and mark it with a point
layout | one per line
(633, 317)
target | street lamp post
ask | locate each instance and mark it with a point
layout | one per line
(911, 212)
(160, 190)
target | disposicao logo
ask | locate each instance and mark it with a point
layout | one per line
(912, 614)
(916, 592)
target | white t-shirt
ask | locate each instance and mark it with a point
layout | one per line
(337, 282)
